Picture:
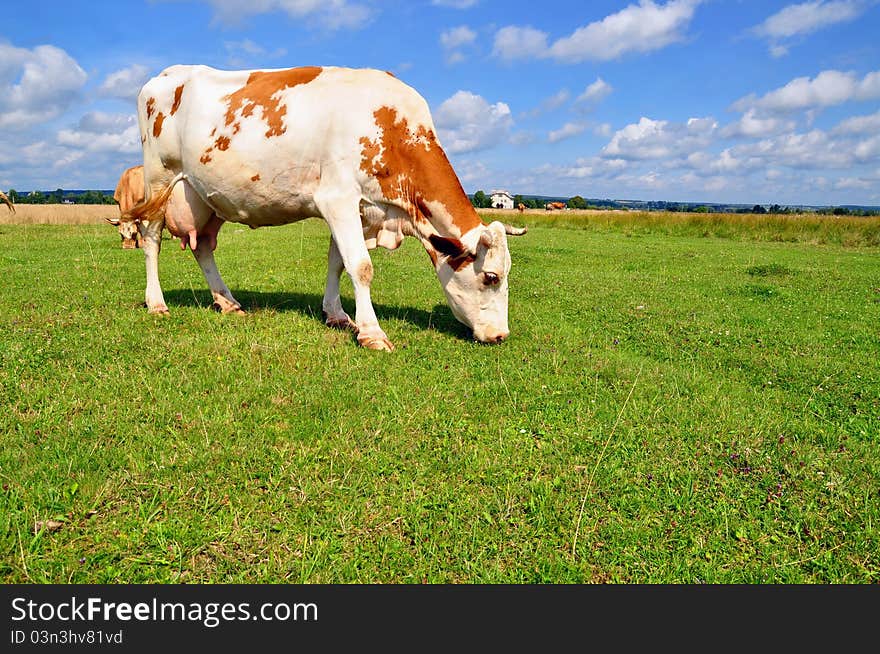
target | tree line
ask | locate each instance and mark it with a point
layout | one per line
(482, 201)
(60, 196)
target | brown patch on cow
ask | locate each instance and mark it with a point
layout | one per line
(453, 250)
(261, 89)
(388, 72)
(255, 178)
(433, 254)
(151, 105)
(420, 203)
(457, 263)
(157, 126)
(213, 131)
(176, 104)
(365, 273)
(235, 128)
(205, 158)
(412, 162)
(222, 143)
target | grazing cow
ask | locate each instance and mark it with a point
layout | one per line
(520, 207)
(355, 147)
(550, 206)
(129, 192)
(7, 201)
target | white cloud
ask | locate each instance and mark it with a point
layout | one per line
(513, 43)
(643, 27)
(656, 139)
(550, 104)
(457, 37)
(102, 132)
(36, 85)
(248, 48)
(330, 14)
(125, 83)
(603, 129)
(808, 17)
(453, 39)
(813, 149)
(750, 125)
(594, 93)
(637, 28)
(828, 88)
(466, 122)
(859, 125)
(565, 132)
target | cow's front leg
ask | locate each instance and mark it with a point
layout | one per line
(206, 243)
(334, 314)
(344, 219)
(151, 231)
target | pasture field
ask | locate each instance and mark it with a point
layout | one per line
(676, 404)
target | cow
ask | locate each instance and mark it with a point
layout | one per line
(550, 206)
(7, 201)
(354, 147)
(521, 207)
(129, 192)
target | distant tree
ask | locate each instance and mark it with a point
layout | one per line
(701, 209)
(841, 211)
(13, 195)
(481, 200)
(518, 200)
(577, 202)
(56, 196)
(91, 197)
(37, 197)
(758, 209)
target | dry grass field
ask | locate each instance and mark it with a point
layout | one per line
(58, 214)
(814, 229)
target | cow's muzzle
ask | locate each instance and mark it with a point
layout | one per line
(488, 334)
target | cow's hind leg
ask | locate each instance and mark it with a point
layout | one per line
(334, 314)
(343, 217)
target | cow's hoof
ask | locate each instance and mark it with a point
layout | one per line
(159, 311)
(376, 343)
(346, 324)
(228, 308)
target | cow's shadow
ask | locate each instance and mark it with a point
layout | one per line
(439, 318)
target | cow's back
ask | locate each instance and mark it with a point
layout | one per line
(261, 142)
(130, 189)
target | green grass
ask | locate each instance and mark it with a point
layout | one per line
(670, 408)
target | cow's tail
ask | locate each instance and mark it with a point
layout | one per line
(152, 208)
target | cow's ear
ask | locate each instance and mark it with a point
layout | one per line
(451, 247)
(113, 221)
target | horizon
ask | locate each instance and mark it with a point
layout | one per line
(541, 196)
(734, 103)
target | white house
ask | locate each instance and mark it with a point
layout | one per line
(501, 200)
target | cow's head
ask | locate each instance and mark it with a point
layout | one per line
(128, 232)
(475, 278)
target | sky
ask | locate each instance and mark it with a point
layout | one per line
(728, 101)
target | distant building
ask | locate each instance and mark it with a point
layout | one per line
(501, 200)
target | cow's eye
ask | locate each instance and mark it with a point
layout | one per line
(490, 278)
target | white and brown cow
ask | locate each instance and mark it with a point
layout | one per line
(129, 192)
(355, 147)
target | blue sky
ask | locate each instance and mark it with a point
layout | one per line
(741, 101)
